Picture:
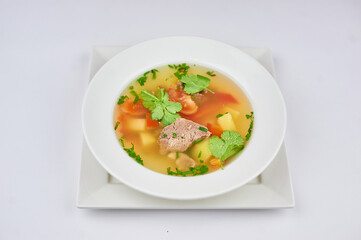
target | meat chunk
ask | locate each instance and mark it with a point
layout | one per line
(183, 162)
(178, 136)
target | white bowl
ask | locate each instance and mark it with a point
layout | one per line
(109, 82)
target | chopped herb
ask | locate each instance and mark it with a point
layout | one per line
(228, 145)
(203, 129)
(131, 152)
(182, 137)
(170, 66)
(182, 70)
(131, 87)
(201, 169)
(194, 84)
(145, 74)
(250, 126)
(198, 141)
(211, 73)
(136, 99)
(174, 135)
(162, 109)
(219, 115)
(201, 161)
(121, 99)
(116, 125)
(142, 80)
(176, 155)
(199, 154)
(165, 135)
(154, 73)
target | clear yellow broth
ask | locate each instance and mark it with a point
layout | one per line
(150, 154)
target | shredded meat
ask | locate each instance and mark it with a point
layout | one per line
(178, 136)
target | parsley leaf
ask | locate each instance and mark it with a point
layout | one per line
(122, 99)
(203, 129)
(131, 152)
(182, 70)
(136, 99)
(250, 126)
(194, 84)
(154, 73)
(211, 73)
(228, 145)
(142, 80)
(162, 109)
(200, 170)
(116, 125)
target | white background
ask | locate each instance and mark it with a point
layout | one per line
(44, 61)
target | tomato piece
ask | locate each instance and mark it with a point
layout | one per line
(189, 107)
(136, 110)
(214, 129)
(225, 97)
(150, 122)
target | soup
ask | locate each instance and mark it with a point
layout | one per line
(183, 120)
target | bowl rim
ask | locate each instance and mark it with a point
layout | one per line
(162, 192)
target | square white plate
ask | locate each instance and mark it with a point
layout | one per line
(98, 189)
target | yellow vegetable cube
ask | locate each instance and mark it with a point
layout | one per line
(147, 139)
(226, 122)
(235, 114)
(136, 124)
(202, 147)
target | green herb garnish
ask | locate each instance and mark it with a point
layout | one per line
(203, 129)
(116, 125)
(174, 135)
(122, 99)
(131, 152)
(211, 73)
(199, 154)
(201, 169)
(176, 155)
(182, 137)
(131, 87)
(219, 115)
(165, 135)
(201, 161)
(198, 141)
(194, 84)
(142, 80)
(136, 99)
(182, 70)
(154, 73)
(162, 109)
(250, 126)
(228, 145)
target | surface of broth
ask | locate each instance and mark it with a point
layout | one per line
(165, 78)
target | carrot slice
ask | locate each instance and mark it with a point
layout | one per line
(225, 97)
(150, 122)
(214, 129)
(136, 110)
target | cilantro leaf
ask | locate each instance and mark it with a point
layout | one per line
(136, 96)
(194, 84)
(162, 109)
(199, 170)
(211, 73)
(250, 126)
(142, 80)
(122, 99)
(228, 145)
(131, 152)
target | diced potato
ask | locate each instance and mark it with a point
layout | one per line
(226, 122)
(147, 139)
(235, 114)
(201, 147)
(172, 155)
(136, 124)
